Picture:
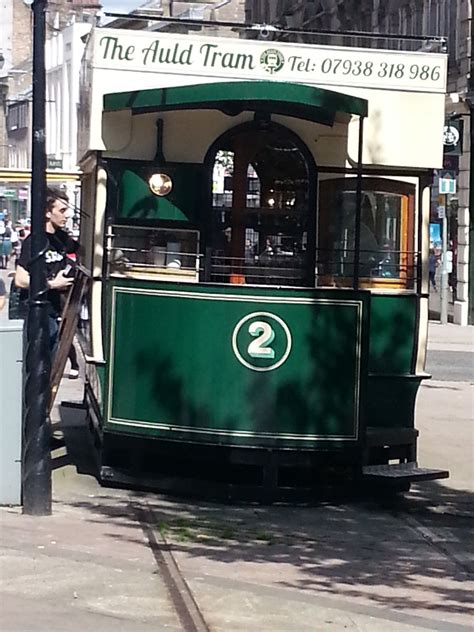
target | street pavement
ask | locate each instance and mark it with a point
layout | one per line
(99, 562)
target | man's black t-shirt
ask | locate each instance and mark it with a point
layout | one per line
(59, 245)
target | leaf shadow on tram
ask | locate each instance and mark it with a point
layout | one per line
(299, 403)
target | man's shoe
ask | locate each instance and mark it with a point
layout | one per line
(73, 374)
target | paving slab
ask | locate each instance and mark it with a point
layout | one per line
(451, 336)
(79, 568)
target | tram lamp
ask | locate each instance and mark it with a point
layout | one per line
(160, 184)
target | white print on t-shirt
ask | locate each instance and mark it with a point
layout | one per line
(52, 256)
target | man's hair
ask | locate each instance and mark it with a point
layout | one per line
(53, 194)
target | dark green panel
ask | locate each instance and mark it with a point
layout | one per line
(176, 364)
(391, 402)
(393, 325)
(291, 99)
(136, 201)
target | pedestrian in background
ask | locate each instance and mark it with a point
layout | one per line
(3, 294)
(432, 266)
(6, 246)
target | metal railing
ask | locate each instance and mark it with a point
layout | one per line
(336, 267)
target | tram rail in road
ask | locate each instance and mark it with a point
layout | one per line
(186, 607)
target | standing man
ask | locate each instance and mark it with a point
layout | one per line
(58, 246)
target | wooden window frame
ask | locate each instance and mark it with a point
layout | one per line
(407, 192)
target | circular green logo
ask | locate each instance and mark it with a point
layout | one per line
(272, 60)
(261, 341)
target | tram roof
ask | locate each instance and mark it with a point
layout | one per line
(232, 97)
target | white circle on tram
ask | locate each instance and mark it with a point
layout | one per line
(261, 344)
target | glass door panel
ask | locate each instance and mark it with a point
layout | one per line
(261, 213)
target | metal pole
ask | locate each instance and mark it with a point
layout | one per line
(471, 193)
(36, 425)
(358, 211)
(470, 101)
(444, 267)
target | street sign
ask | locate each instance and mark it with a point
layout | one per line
(447, 186)
(441, 212)
(54, 163)
(452, 137)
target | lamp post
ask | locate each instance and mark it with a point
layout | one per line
(36, 472)
(444, 286)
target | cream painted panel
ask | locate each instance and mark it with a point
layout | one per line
(327, 144)
(396, 121)
(137, 133)
(402, 129)
(425, 246)
(97, 285)
(187, 135)
(117, 130)
(111, 81)
(422, 336)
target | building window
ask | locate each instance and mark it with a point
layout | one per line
(17, 116)
(407, 20)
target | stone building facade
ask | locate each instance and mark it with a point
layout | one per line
(15, 49)
(206, 10)
(16, 90)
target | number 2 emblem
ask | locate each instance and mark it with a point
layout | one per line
(261, 341)
(260, 348)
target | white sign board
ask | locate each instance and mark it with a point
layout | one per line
(447, 186)
(245, 59)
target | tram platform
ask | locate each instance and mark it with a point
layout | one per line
(99, 562)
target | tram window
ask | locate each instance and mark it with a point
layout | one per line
(222, 179)
(386, 255)
(261, 212)
(153, 252)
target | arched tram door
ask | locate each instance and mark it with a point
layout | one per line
(268, 363)
(262, 222)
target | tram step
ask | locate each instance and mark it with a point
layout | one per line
(402, 472)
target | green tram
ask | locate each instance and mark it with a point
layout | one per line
(258, 305)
